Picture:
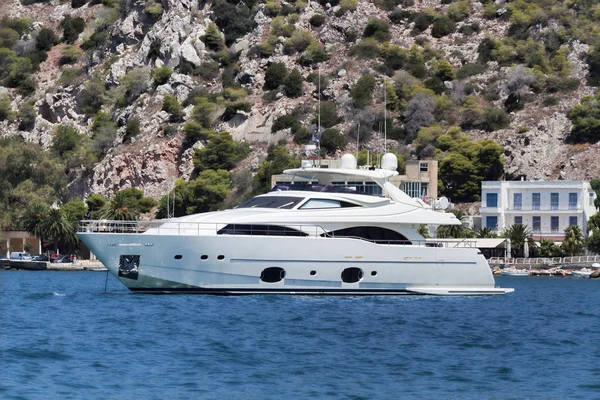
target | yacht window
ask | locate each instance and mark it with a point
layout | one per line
(325, 203)
(371, 233)
(260, 230)
(286, 202)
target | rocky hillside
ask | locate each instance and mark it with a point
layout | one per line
(153, 69)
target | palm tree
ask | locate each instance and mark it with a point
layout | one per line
(455, 231)
(120, 207)
(33, 221)
(485, 233)
(58, 228)
(519, 235)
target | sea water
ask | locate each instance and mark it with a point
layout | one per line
(63, 337)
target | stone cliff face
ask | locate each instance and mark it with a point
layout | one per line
(152, 161)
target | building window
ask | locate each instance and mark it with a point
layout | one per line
(535, 201)
(554, 201)
(413, 189)
(554, 224)
(492, 223)
(572, 201)
(518, 201)
(491, 199)
(537, 224)
(423, 167)
(591, 198)
(518, 220)
(572, 221)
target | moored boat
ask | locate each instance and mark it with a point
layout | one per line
(322, 237)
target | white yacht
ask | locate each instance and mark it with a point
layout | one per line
(314, 238)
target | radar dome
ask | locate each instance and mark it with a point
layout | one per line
(389, 161)
(348, 161)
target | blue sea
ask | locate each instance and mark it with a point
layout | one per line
(63, 337)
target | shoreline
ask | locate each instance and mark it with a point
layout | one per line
(81, 265)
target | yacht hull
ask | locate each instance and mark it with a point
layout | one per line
(238, 264)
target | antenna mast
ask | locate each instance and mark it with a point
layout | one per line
(384, 117)
(319, 123)
(357, 141)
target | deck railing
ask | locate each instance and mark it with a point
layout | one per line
(180, 228)
(544, 260)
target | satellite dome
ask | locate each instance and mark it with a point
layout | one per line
(389, 161)
(348, 161)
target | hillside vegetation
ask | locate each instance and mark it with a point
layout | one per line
(204, 100)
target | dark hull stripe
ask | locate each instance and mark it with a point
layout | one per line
(237, 291)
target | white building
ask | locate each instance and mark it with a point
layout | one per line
(546, 207)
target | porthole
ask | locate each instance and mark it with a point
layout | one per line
(178, 257)
(352, 275)
(204, 257)
(373, 273)
(220, 257)
(313, 272)
(272, 274)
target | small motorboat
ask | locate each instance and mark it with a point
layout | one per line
(515, 273)
(583, 273)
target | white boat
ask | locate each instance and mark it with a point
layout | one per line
(583, 273)
(299, 239)
(515, 273)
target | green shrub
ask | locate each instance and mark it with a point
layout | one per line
(93, 96)
(442, 26)
(378, 29)
(66, 140)
(234, 18)
(496, 118)
(45, 39)
(284, 122)
(78, 3)
(422, 21)
(490, 11)
(69, 54)
(458, 11)
(523, 129)
(362, 92)
(20, 25)
(275, 75)
(213, 38)
(329, 115)
(399, 15)
(72, 27)
(203, 110)
(293, 84)
(298, 42)
(348, 5)
(314, 54)
(161, 75)
(468, 70)
(27, 116)
(194, 131)
(8, 37)
(172, 106)
(332, 139)
(132, 129)
(368, 49)
(153, 9)
(317, 20)
(6, 111)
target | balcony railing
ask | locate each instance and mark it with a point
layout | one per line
(544, 208)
